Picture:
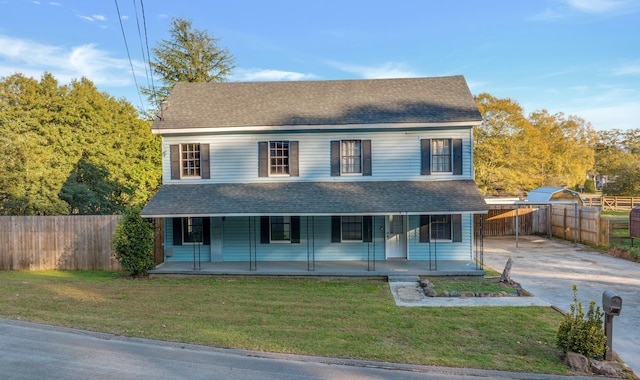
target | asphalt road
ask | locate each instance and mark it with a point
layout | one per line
(549, 269)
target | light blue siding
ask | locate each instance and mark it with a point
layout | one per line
(395, 156)
(440, 250)
(241, 236)
(183, 252)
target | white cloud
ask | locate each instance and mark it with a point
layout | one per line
(93, 18)
(386, 70)
(629, 69)
(65, 63)
(253, 75)
(99, 17)
(55, 4)
(599, 6)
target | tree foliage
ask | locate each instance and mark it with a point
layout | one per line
(514, 153)
(52, 135)
(133, 242)
(618, 159)
(191, 55)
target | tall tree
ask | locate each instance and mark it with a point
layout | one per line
(508, 153)
(571, 142)
(47, 129)
(191, 55)
(618, 158)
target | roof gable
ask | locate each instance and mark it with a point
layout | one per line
(336, 102)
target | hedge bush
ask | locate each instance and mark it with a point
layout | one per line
(133, 242)
(580, 333)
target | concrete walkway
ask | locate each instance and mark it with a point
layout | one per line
(549, 269)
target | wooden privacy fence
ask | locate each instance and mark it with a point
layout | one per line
(78, 242)
(564, 221)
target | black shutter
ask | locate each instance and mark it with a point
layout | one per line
(366, 157)
(335, 229)
(457, 156)
(205, 172)
(174, 153)
(456, 221)
(177, 231)
(263, 159)
(425, 152)
(367, 229)
(206, 231)
(335, 158)
(294, 171)
(264, 230)
(295, 229)
(425, 230)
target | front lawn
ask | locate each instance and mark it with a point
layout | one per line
(336, 318)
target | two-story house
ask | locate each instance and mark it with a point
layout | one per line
(334, 171)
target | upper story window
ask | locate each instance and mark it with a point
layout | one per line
(441, 155)
(190, 160)
(351, 157)
(278, 157)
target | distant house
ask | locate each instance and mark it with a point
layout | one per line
(350, 170)
(548, 194)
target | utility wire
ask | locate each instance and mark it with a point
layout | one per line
(146, 40)
(129, 56)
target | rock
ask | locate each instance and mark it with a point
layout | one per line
(606, 368)
(467, 294)
(430, 292)
(506, 273)
(426, 284)
(577, 362)
(454, 293)
(443, 293)
(484, 294)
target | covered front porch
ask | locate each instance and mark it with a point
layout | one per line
(342, 268)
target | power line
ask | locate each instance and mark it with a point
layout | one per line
(129, 55)
(146, 40)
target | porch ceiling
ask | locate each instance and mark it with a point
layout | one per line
(316, 198)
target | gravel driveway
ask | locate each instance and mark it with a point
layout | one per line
(549, 269)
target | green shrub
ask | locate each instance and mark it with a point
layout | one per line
(590, 186)
(583, 334)
(133, 242)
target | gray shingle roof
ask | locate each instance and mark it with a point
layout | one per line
(334, 102)
(313, 198)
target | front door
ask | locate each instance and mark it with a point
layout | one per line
(396, 238)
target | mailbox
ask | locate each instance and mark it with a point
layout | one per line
(611, 303)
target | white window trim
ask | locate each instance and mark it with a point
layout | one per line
(271, 174)
(279, 241)
(342, 172)
(182, 175)
(361, 232)
(433, 171)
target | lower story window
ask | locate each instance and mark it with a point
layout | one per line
(351, 228)
(280, 228)
(192, 231)
(441, 227)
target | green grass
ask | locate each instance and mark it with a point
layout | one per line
(467, 284)
(615, 214)
(334, 318)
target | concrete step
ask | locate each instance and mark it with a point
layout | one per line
(403, 279)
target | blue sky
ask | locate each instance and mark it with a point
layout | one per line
(579, 57)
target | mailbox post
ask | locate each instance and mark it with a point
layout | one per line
(612, 305)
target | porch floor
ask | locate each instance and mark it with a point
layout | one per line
(323, 268)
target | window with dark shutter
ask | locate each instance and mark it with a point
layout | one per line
(366, 157)
(175, 161)
(263, 159)
(335, 229)
(425, 231)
